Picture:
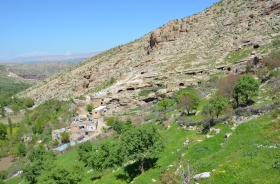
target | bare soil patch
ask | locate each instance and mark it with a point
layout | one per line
(5, 163)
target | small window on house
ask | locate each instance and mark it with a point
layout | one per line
(95, 112)
(102, 99)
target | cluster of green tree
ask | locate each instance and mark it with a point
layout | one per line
(16, 104)
(10, 141)
(137, 144)
(187, 100)
(271, 63)
(164, 104)
(3, 131)
(47, 115)
(44, 168)
(8, 88)
(241, 89)
(3, 175)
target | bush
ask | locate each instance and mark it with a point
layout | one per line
(273, 73)
(110, 121)
(272, 61)
(55, 143)
(276, 164)
(64, 137)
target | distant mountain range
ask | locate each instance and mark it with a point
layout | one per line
(52, 58)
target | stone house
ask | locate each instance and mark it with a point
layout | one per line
(79, 103)
(97, 99)
(84, 128)
(98, 112)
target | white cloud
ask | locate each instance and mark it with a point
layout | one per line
(68, 53)
(34, 53)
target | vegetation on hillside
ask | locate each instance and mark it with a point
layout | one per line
(227, 125)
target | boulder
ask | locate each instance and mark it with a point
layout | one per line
(228, 135)
(202, 176)
(161, 93)
(256, 42)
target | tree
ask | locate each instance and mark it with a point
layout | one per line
(26, 120)
(84, 151)
(64, 137)
(106, 155)
(3, 131)
(61, 174)
(21, 149)
(246, 88)
(28, 103)
(40, 160)
(110, 121)
(137, 143)
(118, 126)
(10, 126)
(121, 127)
(55, 143)
(188, 101)
(226, 86)
(215, 106)
(3, 175)
(164, 103)
(2, 107)
(141, 143)
(89, 108)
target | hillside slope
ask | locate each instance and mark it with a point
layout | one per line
(181, 53)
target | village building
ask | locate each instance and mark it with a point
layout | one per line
(98, 112)
(84, 128)
(79, 103)
(98, 99)
(85, 124)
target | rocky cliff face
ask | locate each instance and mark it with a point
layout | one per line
(183, 52)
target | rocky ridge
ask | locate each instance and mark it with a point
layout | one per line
(181, 53)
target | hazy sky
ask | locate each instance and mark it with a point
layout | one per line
(43, 27)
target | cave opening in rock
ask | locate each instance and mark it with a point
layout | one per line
(147, 100)
(130, 89)
(181, 84)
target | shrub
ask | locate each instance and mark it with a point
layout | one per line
(273, 73)
(276, 164)
(64, 137)
(110, 121)
(272, 61)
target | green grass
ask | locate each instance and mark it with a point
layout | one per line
(238, 55)
(68, 158)
(239, 160)
(16, 180)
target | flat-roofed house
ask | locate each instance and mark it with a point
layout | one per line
(83, 127)
(97, 99)
(98, 112)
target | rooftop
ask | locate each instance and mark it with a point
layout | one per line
(99, 108)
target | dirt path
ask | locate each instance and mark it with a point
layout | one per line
(5, 163)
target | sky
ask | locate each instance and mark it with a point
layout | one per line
(62, 27)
